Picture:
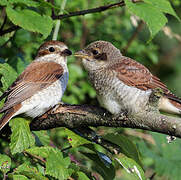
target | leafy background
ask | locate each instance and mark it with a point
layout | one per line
(59, 153)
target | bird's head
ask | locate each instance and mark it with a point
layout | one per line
(53, 49)
(98, 54)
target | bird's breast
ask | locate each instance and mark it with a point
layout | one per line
(43, 100)
(114, 95)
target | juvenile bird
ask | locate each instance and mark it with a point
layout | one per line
(40, 86)
(122, 83)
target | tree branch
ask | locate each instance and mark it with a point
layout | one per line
(90, 11)
(76, 116)
(71, 14)
(91, 135)
(4, 22)
(76, 13)
(9, 30)
(133, 37)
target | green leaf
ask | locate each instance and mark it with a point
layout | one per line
(82, 176)
(153, 17)
(5, 163)
(166, 157)
(26, 2)
(107, 172)
(19, 177)
(42, 138)
(21, 65)
(126, 146)
(49, 5)
(40, 151)
(56, 164)
(131, 167)
(31, 3)
(164, 6)
(74, 139)
(4, 3)
(30, 171)
(4, 39)
(31, 20)
(21, 137)
(8, 75)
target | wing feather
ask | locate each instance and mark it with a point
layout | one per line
(135, 74)
(37, 76)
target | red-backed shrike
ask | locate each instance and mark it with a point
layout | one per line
(122, 83)
(40, 86)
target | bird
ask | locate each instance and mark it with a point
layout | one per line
(121, 83)
(40, 86)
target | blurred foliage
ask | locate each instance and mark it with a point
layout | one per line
(38, 155)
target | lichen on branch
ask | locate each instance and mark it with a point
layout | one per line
(75, 116)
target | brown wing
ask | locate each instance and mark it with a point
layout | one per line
(135, 74)
(37, 76)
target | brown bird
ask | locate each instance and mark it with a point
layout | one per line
(122, 83)
(40, 86)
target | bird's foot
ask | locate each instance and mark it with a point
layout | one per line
(123, 115)
(57, 106)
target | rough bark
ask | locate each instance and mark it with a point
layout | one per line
(76, 116)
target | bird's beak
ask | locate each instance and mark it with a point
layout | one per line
(81, 54)
(67, 52)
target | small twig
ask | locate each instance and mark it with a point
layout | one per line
(52, 2)
(4, 176)
(9, 30)
(152, 176)
(85, 32)
(4, 22)
(133, 37)
(36, 157)
(76, 13)
(3, 45)
(65, 149)
(89, 11)
(92, 136)
(57, 27)
(70, 14)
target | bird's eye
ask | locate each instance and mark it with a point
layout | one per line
(51, 49)
(95, 52)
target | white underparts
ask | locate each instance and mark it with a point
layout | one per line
(42, 101)
(45, 99)
(119, 97)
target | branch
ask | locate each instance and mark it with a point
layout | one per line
(91, 135)
(4, 22)
(133, 37)
(76, 116)
(9, 30)
(70, 14)
(76, 13)
(89, 11)
(57, 26)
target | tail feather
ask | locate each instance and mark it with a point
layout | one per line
(8, 115)
(171, 104)
(176, 104)
(174, 98)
